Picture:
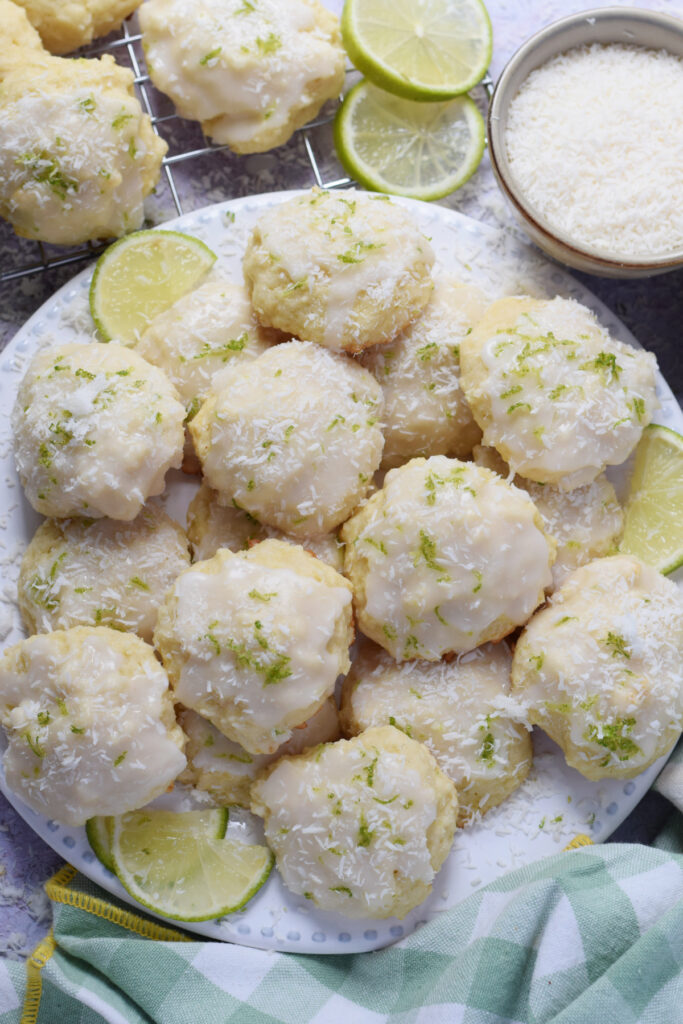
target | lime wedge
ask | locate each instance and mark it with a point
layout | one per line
(426, 50)
(97, 831)
(180, 866)
(140, 276)
(653, 520)
(420, 150)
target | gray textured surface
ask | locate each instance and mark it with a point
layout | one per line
(652, 309)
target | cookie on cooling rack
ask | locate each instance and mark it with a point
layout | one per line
(459, 709)
(254, 641)
(359, 826)
(251, 72)
(77, 155)
(90, 723)
(211, 526)
(95, 428)
(21, 43)
(445, 557)
(555, 395)
(100, 572)
(425, 412)
(600, 667)
(226, 771)
(344, 269)
(67, 26)
(585, 523)
(292, 437)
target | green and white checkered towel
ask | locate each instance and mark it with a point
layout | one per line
(591, 935)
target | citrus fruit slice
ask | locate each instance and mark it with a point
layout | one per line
(177, 866)
(420, 150)
(140, 276)
(97, 831)
(653, 521)
(426, 50)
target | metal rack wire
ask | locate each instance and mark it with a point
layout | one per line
(125, 42)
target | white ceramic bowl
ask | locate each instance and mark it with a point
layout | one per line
(603, 25)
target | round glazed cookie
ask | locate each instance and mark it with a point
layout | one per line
(203, 332)
(585, 523)
(225, 770)
(255, 641)
(600, 667)
(68, 26)
(251, 72)
(292, 437)
(425, 412)
(457, 708)
(344, 269)
(360, 826)
(95, 428)
(90, 723)
(77, 155)
(443, 558)
(100, 572)
(211, 526)
(555, 395)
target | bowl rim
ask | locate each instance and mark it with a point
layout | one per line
(495, 132)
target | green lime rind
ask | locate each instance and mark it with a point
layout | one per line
(396, 115)
(97, 831)
(112, 313)
(653, 514)
(180, 865)
(382, 74)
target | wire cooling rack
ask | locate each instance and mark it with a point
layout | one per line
(125, 47)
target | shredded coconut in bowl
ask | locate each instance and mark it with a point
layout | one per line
(594, 139)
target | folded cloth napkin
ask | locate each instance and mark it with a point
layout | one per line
(594, 934)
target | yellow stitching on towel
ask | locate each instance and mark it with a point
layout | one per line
(58, 890)
(579, 840)
(34, 983)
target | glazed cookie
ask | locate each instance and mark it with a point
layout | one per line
(255, 641)
(211, 526)
(67, 26)
(425, 412)
(344, 269)
(445, 557)
(225, 770)
(203, 332)
(251, 72)
(600, 667)
(292, 437)
(555, 395)
(360, 826)
(96, 428)
(585, 523)
(100, 572)
(458, 709)
(77, 155)
(90, 723)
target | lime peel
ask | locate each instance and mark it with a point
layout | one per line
(140, 276)
(653, 516)
(421, 151)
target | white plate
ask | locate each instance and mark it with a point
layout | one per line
(550, 808)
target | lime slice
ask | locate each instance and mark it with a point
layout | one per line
(97, 831)
(178, 866)
(431, 50)
(653, 522)
(140, 276)
(420, 150)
